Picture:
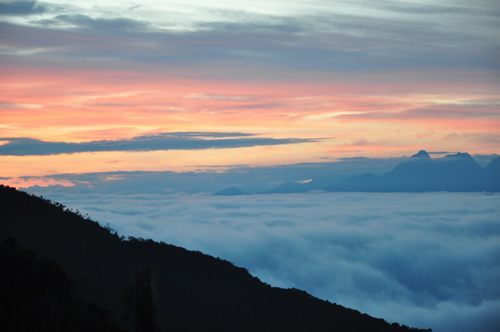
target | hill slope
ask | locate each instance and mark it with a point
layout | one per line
(149, 286)
(36, 295)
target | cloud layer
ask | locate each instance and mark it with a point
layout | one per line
(307, 36)
(163, 141)
(428, 260)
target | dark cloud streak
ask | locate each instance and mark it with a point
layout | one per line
(163, 141)
(21, 8)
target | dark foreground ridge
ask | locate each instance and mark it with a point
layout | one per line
(86, 278)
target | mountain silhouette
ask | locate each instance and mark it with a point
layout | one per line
(230, 191)
(457, 172)
(492, 176)
(142, 285)
(421, 154)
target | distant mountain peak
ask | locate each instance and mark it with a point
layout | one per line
(463, 155)
(231, 191)
(421, 154)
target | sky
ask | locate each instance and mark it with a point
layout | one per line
(145, 104)
(426, 260)
(92, 86)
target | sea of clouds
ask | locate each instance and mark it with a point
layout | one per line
(427, 260)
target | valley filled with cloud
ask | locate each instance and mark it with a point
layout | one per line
(429, 260)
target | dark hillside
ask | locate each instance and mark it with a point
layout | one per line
(36, 295)
(150, 286)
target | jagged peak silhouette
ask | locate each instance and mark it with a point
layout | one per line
(421, 154)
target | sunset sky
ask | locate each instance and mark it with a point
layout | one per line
(93, 86)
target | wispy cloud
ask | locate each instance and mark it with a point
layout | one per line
(286, 36)
(163, 141)
(445, 111)
(218, 97)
